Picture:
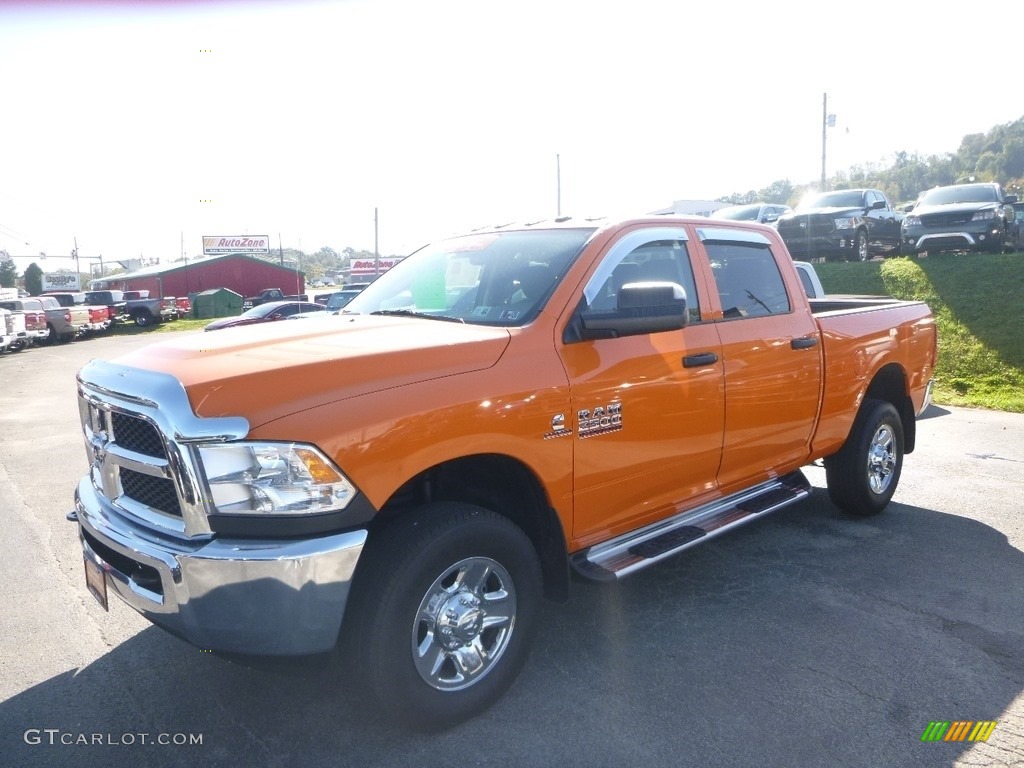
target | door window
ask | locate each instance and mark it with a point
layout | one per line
(649, 260)
(748, 279)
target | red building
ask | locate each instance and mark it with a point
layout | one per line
(245, 275)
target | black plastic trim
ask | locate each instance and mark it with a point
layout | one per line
(358, 512)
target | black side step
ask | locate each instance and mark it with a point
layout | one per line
(636, 550)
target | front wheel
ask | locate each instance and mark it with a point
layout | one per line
(862, 477)
(860, 246)
(442, 613)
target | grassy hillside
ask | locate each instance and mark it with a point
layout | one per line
(977, 300)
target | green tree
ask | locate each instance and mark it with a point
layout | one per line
(315, 271)
(8, 275)
(34, 279)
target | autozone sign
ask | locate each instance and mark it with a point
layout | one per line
(370, 266)
(214, 244)
(61, 281)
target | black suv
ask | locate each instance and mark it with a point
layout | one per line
(961, 217)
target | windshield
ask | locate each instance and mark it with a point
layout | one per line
(263, 310)
(738, 213)
(841, 199)
(497, 278)
(964, 193)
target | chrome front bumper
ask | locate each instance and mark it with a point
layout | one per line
(279, 597)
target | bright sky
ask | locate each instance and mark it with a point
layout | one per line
(137, 128)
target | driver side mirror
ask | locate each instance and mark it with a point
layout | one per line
(641, 308)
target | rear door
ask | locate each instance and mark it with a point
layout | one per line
(647, 410)
(771, 352)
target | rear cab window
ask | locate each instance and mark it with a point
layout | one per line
(746, 275)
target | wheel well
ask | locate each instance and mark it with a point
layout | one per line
(503, 485)
(890, 384)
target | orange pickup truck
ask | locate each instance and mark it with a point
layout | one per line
(496, 411)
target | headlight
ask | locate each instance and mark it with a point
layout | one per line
(983, 216)
(248, 478)
(912, 221)
(845, 223)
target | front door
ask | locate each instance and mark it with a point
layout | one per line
(647, 410)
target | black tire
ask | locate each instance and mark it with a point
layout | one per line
(67, 338)
(863, 475)
(427, 604)
(143, 319)
(860, 247)
(51, 335)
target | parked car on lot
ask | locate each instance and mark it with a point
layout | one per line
(847, 224)
(350, 289)
(267, 313)
(271, 294)
(340, 299)
(6, 329)
(765, 213)
(112, 300)
(146, 310)
(36, 329)
(97, 318)
(1018, 235)
(63, 323)
(960, 217)
(15, 337)
(183, 305)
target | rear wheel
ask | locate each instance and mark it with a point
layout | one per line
(862, 477)
(442, 613)
(144, 319)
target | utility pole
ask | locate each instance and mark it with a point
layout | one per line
(827, 121)
(558, 183)
(376, 250)
(824, 124)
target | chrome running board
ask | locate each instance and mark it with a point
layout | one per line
(636, 550)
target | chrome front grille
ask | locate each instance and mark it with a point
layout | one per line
(138, 427)
(129, 460)
(135, 434)
(155, 492)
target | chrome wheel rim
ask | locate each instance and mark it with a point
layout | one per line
(463, 624)
(862, 248)
(882, 459)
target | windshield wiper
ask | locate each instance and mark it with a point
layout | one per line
(414, 313)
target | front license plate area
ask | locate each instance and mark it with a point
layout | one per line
(96, 583)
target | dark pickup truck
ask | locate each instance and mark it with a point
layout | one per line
(844, 225)
(271, 294)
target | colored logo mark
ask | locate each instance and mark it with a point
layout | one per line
(958, 730)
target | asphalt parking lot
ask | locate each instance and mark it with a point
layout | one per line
(803, 639)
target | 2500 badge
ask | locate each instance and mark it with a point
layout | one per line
(601, 420)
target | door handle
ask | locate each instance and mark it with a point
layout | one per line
(805, 342)
(703, 358)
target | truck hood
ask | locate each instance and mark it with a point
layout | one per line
(846, 209)
(924, 210)
(265, 372)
